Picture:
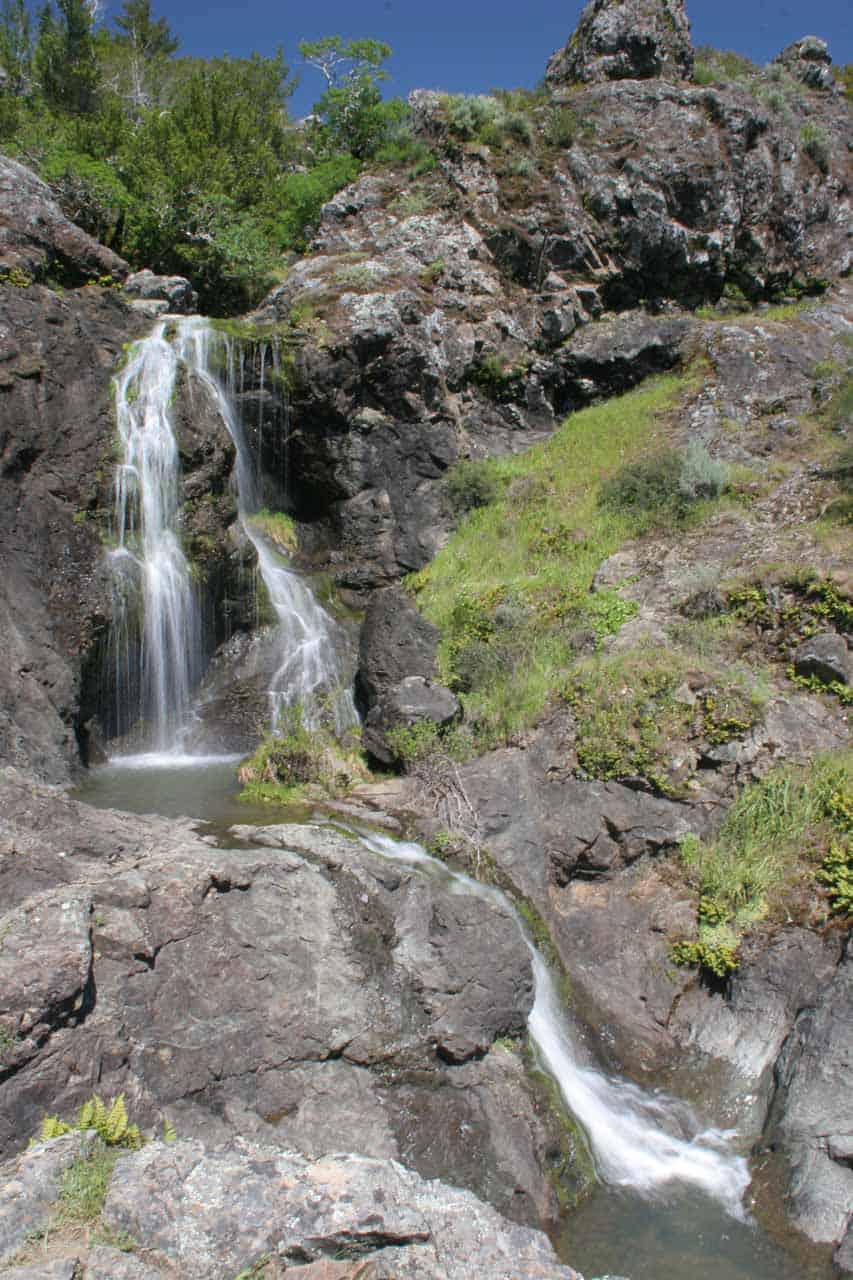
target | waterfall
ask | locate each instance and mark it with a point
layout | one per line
(159, 660)
(633, 1135)
(309, 672)
(151, 574)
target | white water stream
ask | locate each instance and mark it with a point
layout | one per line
(639, 1140)
(155, 681)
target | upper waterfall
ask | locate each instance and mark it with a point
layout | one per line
(157, 646)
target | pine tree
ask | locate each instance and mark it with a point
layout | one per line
(64, 60)
(15, 45)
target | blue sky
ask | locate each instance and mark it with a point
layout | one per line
(474, 45)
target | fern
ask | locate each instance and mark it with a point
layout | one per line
(169, 1131)
(110, 1123)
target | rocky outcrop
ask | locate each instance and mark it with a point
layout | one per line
(211, 1214)
(394, 642)
(157, 295)
(463, 314)
(626, 40)
(36, 238)
(809, 60)
(813, 1113)
(296, 988)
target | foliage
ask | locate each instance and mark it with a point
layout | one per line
(352, 116)
(665, 486)
(470, 484)
(110, 1123)
(816, 144)
(278, 527)
(511, 590)
(775, 833)
(723, 67)
(717, 957)
(64, 60)
(84, 1187)
(15, 45)
(562, 127)
(489, 118)
(296, 757)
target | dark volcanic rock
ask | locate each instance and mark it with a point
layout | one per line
(36, 238)
(626, 40)
(395, 642)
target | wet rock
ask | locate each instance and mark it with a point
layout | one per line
(395, 642)
(809, 60)
(213, 1213)
(405, 705)
(175, 291)
(825, 656)
(37, 238)
(626, 40)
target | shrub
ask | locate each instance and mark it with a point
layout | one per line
(470, 484)
(562, 127)
(815, 142)
(701, 476)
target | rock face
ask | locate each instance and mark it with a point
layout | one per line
(377, 997)
(826, 656)
(626, 40)
(212, 1214)
(813, 1113)
(36, 237)
(809, 60)
(461, 315)
(394, 642)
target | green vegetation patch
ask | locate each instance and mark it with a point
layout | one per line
(781, 838)
(279, 528)
(511, 591)
(632, 710)
(297, 761)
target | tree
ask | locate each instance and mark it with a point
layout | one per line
(351, 107)
(15, 45)
(146, 44)
(65, 64)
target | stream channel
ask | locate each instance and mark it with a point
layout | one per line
(673, 1196)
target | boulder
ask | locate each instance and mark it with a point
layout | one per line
(411, 702)
(36, 238)
(626, 40)
(395, 642)
(809, 60)
(29, 1187)
(214, 1213)
(175, 291)
(824, 656)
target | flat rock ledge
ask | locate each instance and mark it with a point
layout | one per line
(215, 1214)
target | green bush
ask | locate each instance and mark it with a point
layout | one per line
(665, 487)
(815, 142)
(562, 127)
(470, 484)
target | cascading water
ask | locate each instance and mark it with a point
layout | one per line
(151, 574)
(631, 1132)
(159, 662)
(309, 671)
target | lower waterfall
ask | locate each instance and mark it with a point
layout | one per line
(633, 1134)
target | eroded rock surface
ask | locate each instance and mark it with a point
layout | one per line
(295, 988)
(213, 1213)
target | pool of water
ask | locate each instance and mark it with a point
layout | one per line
(174, 786)
(687, 1237)
(682, 1236)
